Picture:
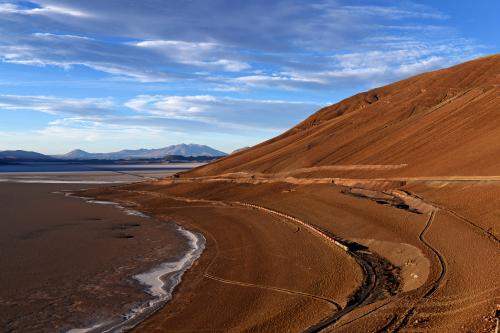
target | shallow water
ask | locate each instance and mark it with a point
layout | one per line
(159, 282)
(53, 181)
(89, 167)
(78, 257)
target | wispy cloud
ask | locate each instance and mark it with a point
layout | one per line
(98, 137)
(407, 11)
(67, 51)
(177, 113)
(11, 8)
(205, 55)
(58, 106)
(189, 67)
(399, 59)
(279, 44)
(225, 112)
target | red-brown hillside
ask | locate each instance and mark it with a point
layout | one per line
(445, 122)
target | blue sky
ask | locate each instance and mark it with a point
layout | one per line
(104, 75)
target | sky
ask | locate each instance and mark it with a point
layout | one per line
(105, 75)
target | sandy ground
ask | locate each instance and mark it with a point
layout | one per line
(435, 239)
(260, 273)
(257, 273)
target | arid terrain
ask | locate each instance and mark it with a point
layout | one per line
(376, 214)
(67, 262)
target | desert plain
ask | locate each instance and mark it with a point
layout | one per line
(377, 214)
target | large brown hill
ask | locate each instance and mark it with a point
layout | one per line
(441, 123)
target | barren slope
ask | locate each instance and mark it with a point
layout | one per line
(439, 123)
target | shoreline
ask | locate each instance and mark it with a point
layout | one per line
(110, 295)
(238, 269)
(97, 177)
(49, 181)
(159, 281)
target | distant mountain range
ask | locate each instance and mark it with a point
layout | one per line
(16, 155)
(78, 154)
(179, 150)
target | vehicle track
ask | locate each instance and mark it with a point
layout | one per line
(374, 283)
(458, 216)
(442, 264)
(464, 297)
(395, 323)
(438, 254)
(455, 309)
(277, 289)
(487, 233)
(363, 294)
